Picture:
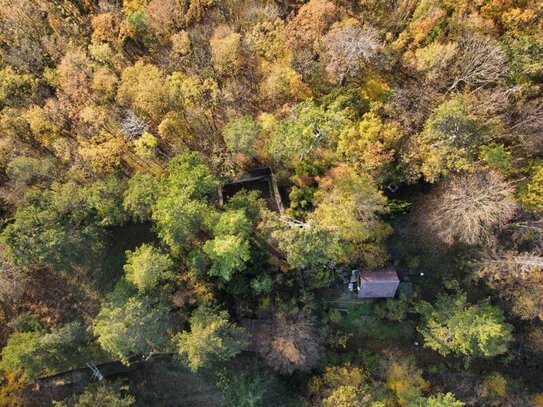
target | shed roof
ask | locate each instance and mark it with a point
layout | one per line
(378, 283)
(260, 179)
(259, 331)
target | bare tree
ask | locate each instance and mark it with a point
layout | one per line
(518, 278)
(133, 126)
(346, 47)
(529, 126)
(295, 344)
(469, 207)
(480, 62)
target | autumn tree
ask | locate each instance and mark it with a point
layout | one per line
(282, 84)
(226, 51)
(295, 344)
(434, 59)
(518, 277)
(24, 47)
(349, 204)
(212, 338)
(468, 208)
(144, 88)
(344, 385)
(173, 129)
(239, 135)
(371, 144)
(450, 140)
(348, 46)
(307, 26)
(453, 325)
(13, 279)
(74, 76)
(16, 89)
(481, 61)
(165, 16)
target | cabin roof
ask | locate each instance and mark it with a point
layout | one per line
(378, 283)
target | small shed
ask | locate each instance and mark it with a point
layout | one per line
(259, 331)
(259, 179)
(378, 283)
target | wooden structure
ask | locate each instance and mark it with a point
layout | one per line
(256, 179)
(259, 331)
(378, 283)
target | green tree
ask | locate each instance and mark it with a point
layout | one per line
(450, 140)
(32, 171)
(57, 227)
(243, 390)
(454, 326)
(530, 193)
(128, 325)
(496, 157)
(442, 400)
(179, 219)
(395, 309)
(141, 195)
(100, 395)
(189, 174)
(239, 135)
(105, 197)
(308, 127)
(65, 347)
(147, 266)
(212, 338)
(181, 210)
(229, 254)
(16, 353)
(233, 222)
(230, 250)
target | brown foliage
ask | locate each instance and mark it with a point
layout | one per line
(347, 46)
(518, 277)
(468, 208)
(104, 27)
(312, 20)
(295, 344)
(480, 62)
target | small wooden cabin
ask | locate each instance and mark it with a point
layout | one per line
(378, 283)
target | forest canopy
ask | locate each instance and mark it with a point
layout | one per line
(192, 190)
